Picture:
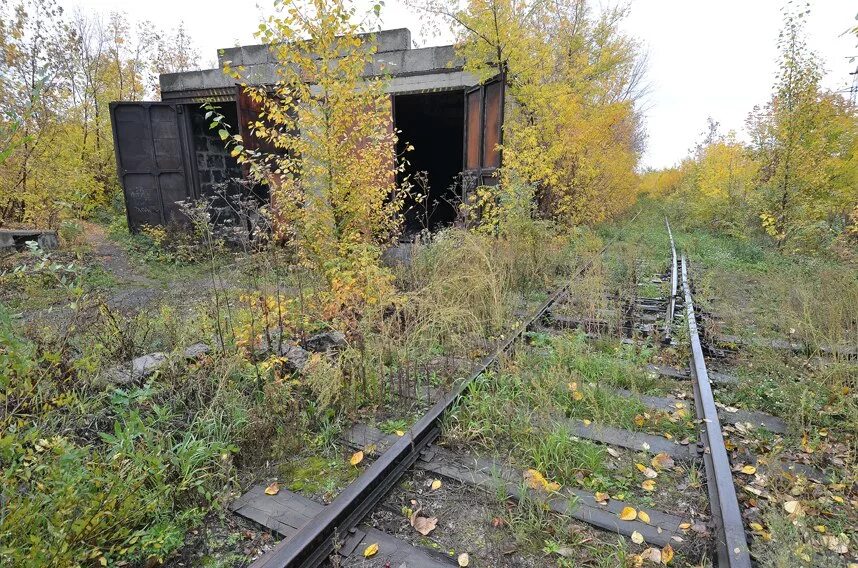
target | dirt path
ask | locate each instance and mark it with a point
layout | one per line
(134, 289)
(112, 257)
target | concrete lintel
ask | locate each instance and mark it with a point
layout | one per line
(431, 82)
(386, 40)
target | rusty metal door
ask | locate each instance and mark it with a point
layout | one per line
(483, 133)
(248, 112)
(151, 144)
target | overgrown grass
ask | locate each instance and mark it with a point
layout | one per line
(460, 293)
(119, 473)
(606, 361)
(38, 279)
(809, 397)
(521, 412)
(93, 472)
(169, 254)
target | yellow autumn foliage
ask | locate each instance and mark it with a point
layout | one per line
(796, 178)
(571, 132)
(332, 171)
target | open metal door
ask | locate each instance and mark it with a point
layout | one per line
(248, 112)
(151, 143)
(484, 106)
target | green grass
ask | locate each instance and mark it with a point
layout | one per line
(602, 405)
(605, 362)
(808, 397)
(522, 412)
(32, 282)
(496, 417)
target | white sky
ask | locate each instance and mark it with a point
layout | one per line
(719, 58)
(706, 57)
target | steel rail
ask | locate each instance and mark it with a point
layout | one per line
(732, 546)
(671, 305)
(317, 539)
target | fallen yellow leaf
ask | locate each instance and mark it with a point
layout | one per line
(436, 484)
(792, 507)
(819, 528)
(643, 516)
(370, 550)
(835, 545)
(356, 458)
(666, 554)
(756, 527)
(749, 470)
(637, 538)
(628, 514)
(534, 479)
(685, 526)
(601, 497)
(577, 395)
(272, 489)
(464, 559)
(649, 472)
(400, 433)
(648, 485)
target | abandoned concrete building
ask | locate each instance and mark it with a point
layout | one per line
(165, 152)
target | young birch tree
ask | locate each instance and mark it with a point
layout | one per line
(805, 140)
(332, 173)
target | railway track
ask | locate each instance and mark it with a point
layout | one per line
(339, 535)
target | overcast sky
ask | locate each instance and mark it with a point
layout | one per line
(706, 57)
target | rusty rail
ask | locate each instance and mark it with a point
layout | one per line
(732, 546)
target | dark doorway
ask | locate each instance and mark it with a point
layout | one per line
(434, 123)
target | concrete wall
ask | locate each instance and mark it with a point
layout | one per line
(437, 68)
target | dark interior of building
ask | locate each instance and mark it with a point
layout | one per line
(433, 123)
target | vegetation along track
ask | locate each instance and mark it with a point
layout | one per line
(647, 441)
